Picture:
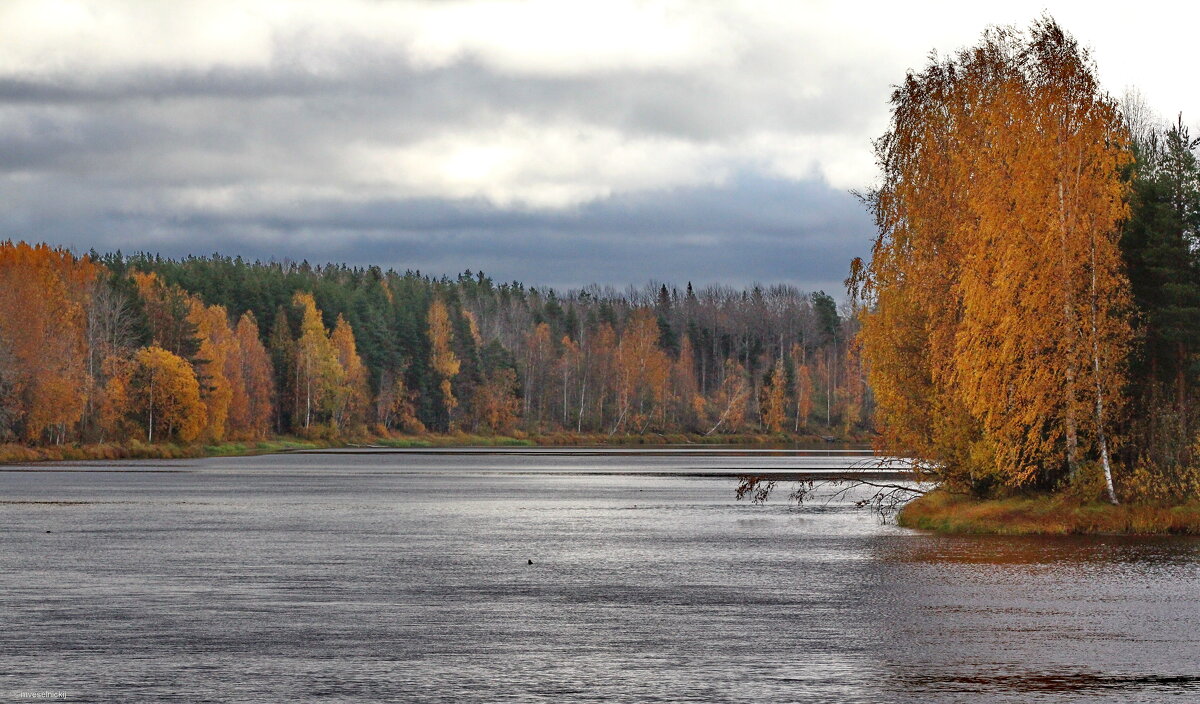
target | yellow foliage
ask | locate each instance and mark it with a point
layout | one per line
(998, 330)
(115, 398)
(166, 395)
(774, 400)
(319, 375)
(445, 363)
(803, 395)
(353, 395)
(218, 353)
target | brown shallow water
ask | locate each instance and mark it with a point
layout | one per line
(376, 577)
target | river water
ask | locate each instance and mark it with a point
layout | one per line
(407, 577)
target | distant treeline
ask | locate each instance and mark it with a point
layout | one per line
(114, 348)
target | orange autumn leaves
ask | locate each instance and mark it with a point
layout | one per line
(109, 352)
(998, 327)
(643, 371)
(623, 380)
(70, 367)
(236, 380)
(236, 373)
(230, 368)
(44, 380)
(166, 392)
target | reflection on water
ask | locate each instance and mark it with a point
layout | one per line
(384, 577)
(1055, 550)
(1031, 618)
(1079, 683)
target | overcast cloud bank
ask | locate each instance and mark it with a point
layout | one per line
(559, 143)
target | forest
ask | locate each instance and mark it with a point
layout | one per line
(1031, 307)
(1028, 319)
(108, 348)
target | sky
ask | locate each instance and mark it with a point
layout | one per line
(555, 142)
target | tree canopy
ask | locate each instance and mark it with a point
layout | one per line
(997, 327)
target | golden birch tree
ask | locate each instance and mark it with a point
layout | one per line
(166, 396)
(214, 363)
(353, 394)
(319, 374)
(998, 324)
(443, 360)
(643, 373)
(774, 400)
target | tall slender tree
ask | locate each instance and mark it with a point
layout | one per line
(443, 360)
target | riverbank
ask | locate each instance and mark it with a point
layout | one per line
(21, 454)
(943, 512)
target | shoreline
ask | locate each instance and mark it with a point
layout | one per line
(942, 512)
(17, 454)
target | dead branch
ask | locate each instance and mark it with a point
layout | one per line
(886, 500)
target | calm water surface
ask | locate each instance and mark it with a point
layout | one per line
(376, 577)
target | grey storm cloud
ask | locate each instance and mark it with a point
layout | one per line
(750, 230)
(559, 143)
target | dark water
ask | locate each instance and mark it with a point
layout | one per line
(406, 577)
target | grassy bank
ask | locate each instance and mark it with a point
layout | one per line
(1046, 515)
(22, 454)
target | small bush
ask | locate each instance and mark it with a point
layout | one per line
(1152, 484)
